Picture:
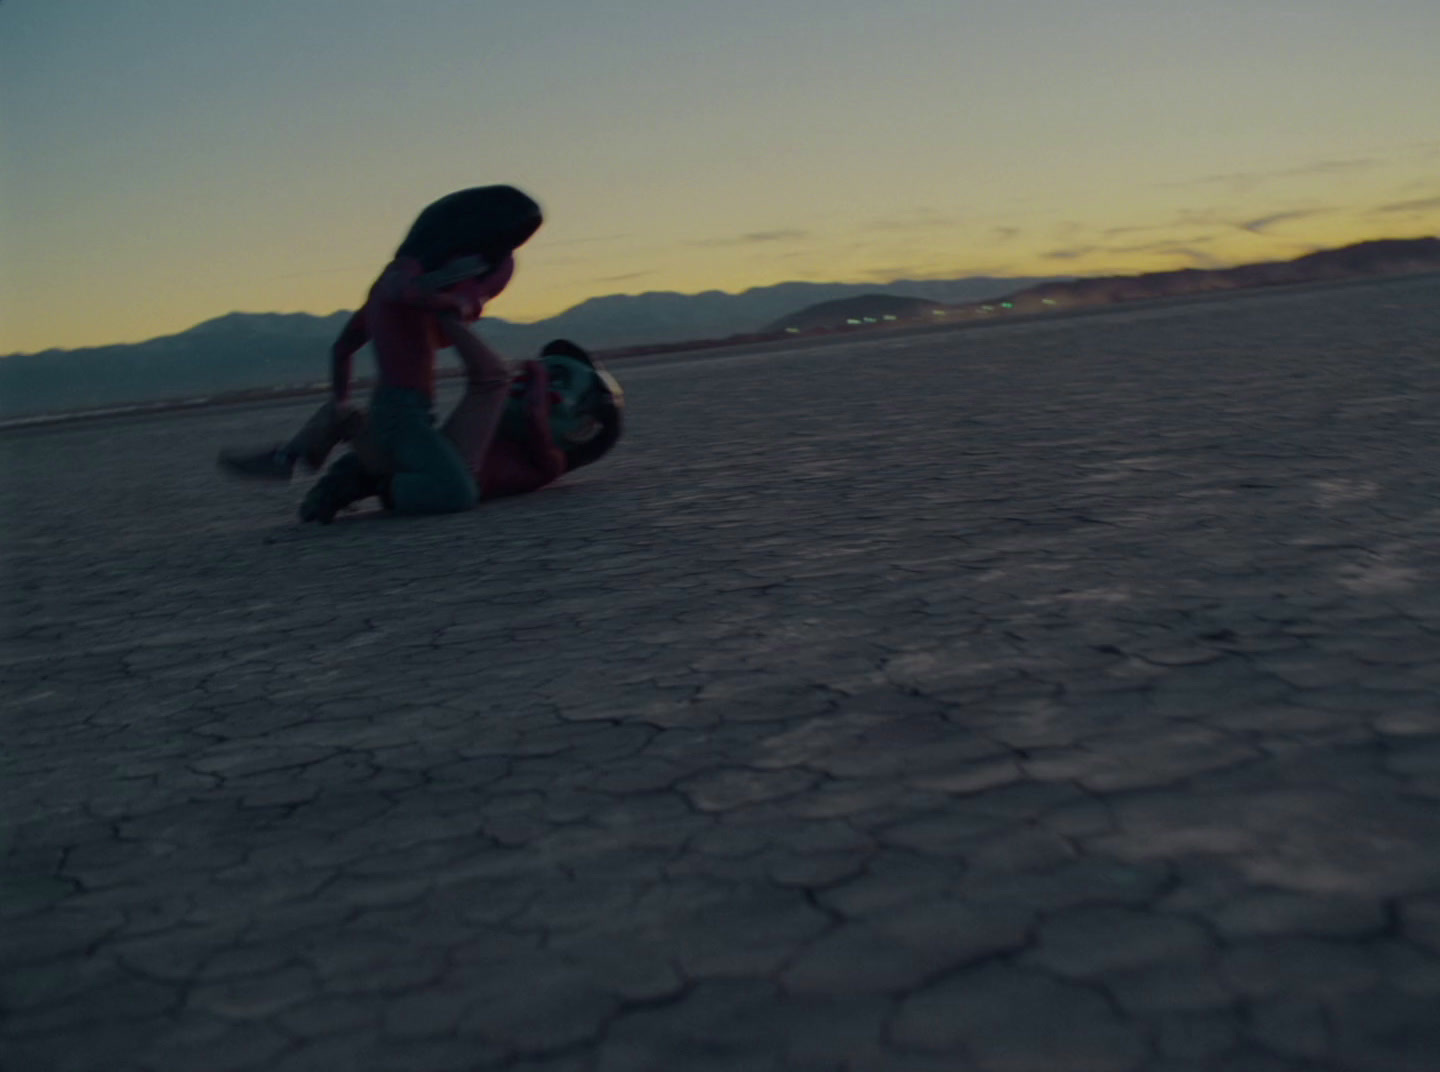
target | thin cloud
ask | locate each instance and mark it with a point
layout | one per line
(563, 242)
(920, 275)
(1166, 245)
(754, 237)
(1199, 217)
(1189, 217)
(921, 219)
(620, 278)
(774, 236)
(1425, 204)
(1330, 167)
(1260, 224)
(1006, 234)
(1238, 181)
(1116, 232)
(1241, 181)
(1189, 249)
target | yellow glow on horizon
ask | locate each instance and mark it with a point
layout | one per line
(540, 292)
(792, 141)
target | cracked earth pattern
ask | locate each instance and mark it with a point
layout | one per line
(1049, 696)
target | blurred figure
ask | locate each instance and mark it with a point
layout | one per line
(560, 412)
(456, 257)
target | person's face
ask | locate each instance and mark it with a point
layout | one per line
(572, 384)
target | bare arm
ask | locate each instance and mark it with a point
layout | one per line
(534, 461)
(547, 458)
(483, 366)
(342, 352)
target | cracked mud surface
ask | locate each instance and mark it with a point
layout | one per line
(1049, 696)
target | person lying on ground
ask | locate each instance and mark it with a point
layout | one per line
(563, 411)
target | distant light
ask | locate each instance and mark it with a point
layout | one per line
(851, 320)
(793, 331)
(889, 317)
(988, 308)
(1047, 301)
(1007, 305)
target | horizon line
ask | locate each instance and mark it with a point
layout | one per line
(738, 293)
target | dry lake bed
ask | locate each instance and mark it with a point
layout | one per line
(1060, 695)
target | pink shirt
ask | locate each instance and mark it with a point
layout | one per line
(398, 317)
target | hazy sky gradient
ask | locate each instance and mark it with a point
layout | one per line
(166, 161)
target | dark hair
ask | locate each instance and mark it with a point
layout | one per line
(486, 221)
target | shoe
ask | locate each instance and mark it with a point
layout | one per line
(272, 463)
(347, 482)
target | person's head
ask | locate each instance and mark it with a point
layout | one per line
(587, 404)
(490, 222)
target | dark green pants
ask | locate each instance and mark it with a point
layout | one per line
(428, 474)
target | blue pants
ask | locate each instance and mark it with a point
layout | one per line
(428, 474)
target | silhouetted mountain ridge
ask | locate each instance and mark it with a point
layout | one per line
(870, 308)
(241, 351)
(1387, 256)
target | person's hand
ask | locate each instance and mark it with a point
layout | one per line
(537, 380)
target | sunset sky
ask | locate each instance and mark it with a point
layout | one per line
(163, 162)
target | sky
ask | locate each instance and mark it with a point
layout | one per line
(163, 162)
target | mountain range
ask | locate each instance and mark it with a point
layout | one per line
(245, 351)
(251, 351)
(1363, 260)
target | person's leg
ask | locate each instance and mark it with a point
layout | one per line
(473, 423)
(346, 482)
(426, 474)
(326, 428)
(402, 457)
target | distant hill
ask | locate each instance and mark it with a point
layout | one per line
(665, 316)
(241, 351)
(1389, 256)
(857, 311)
(233, 352)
